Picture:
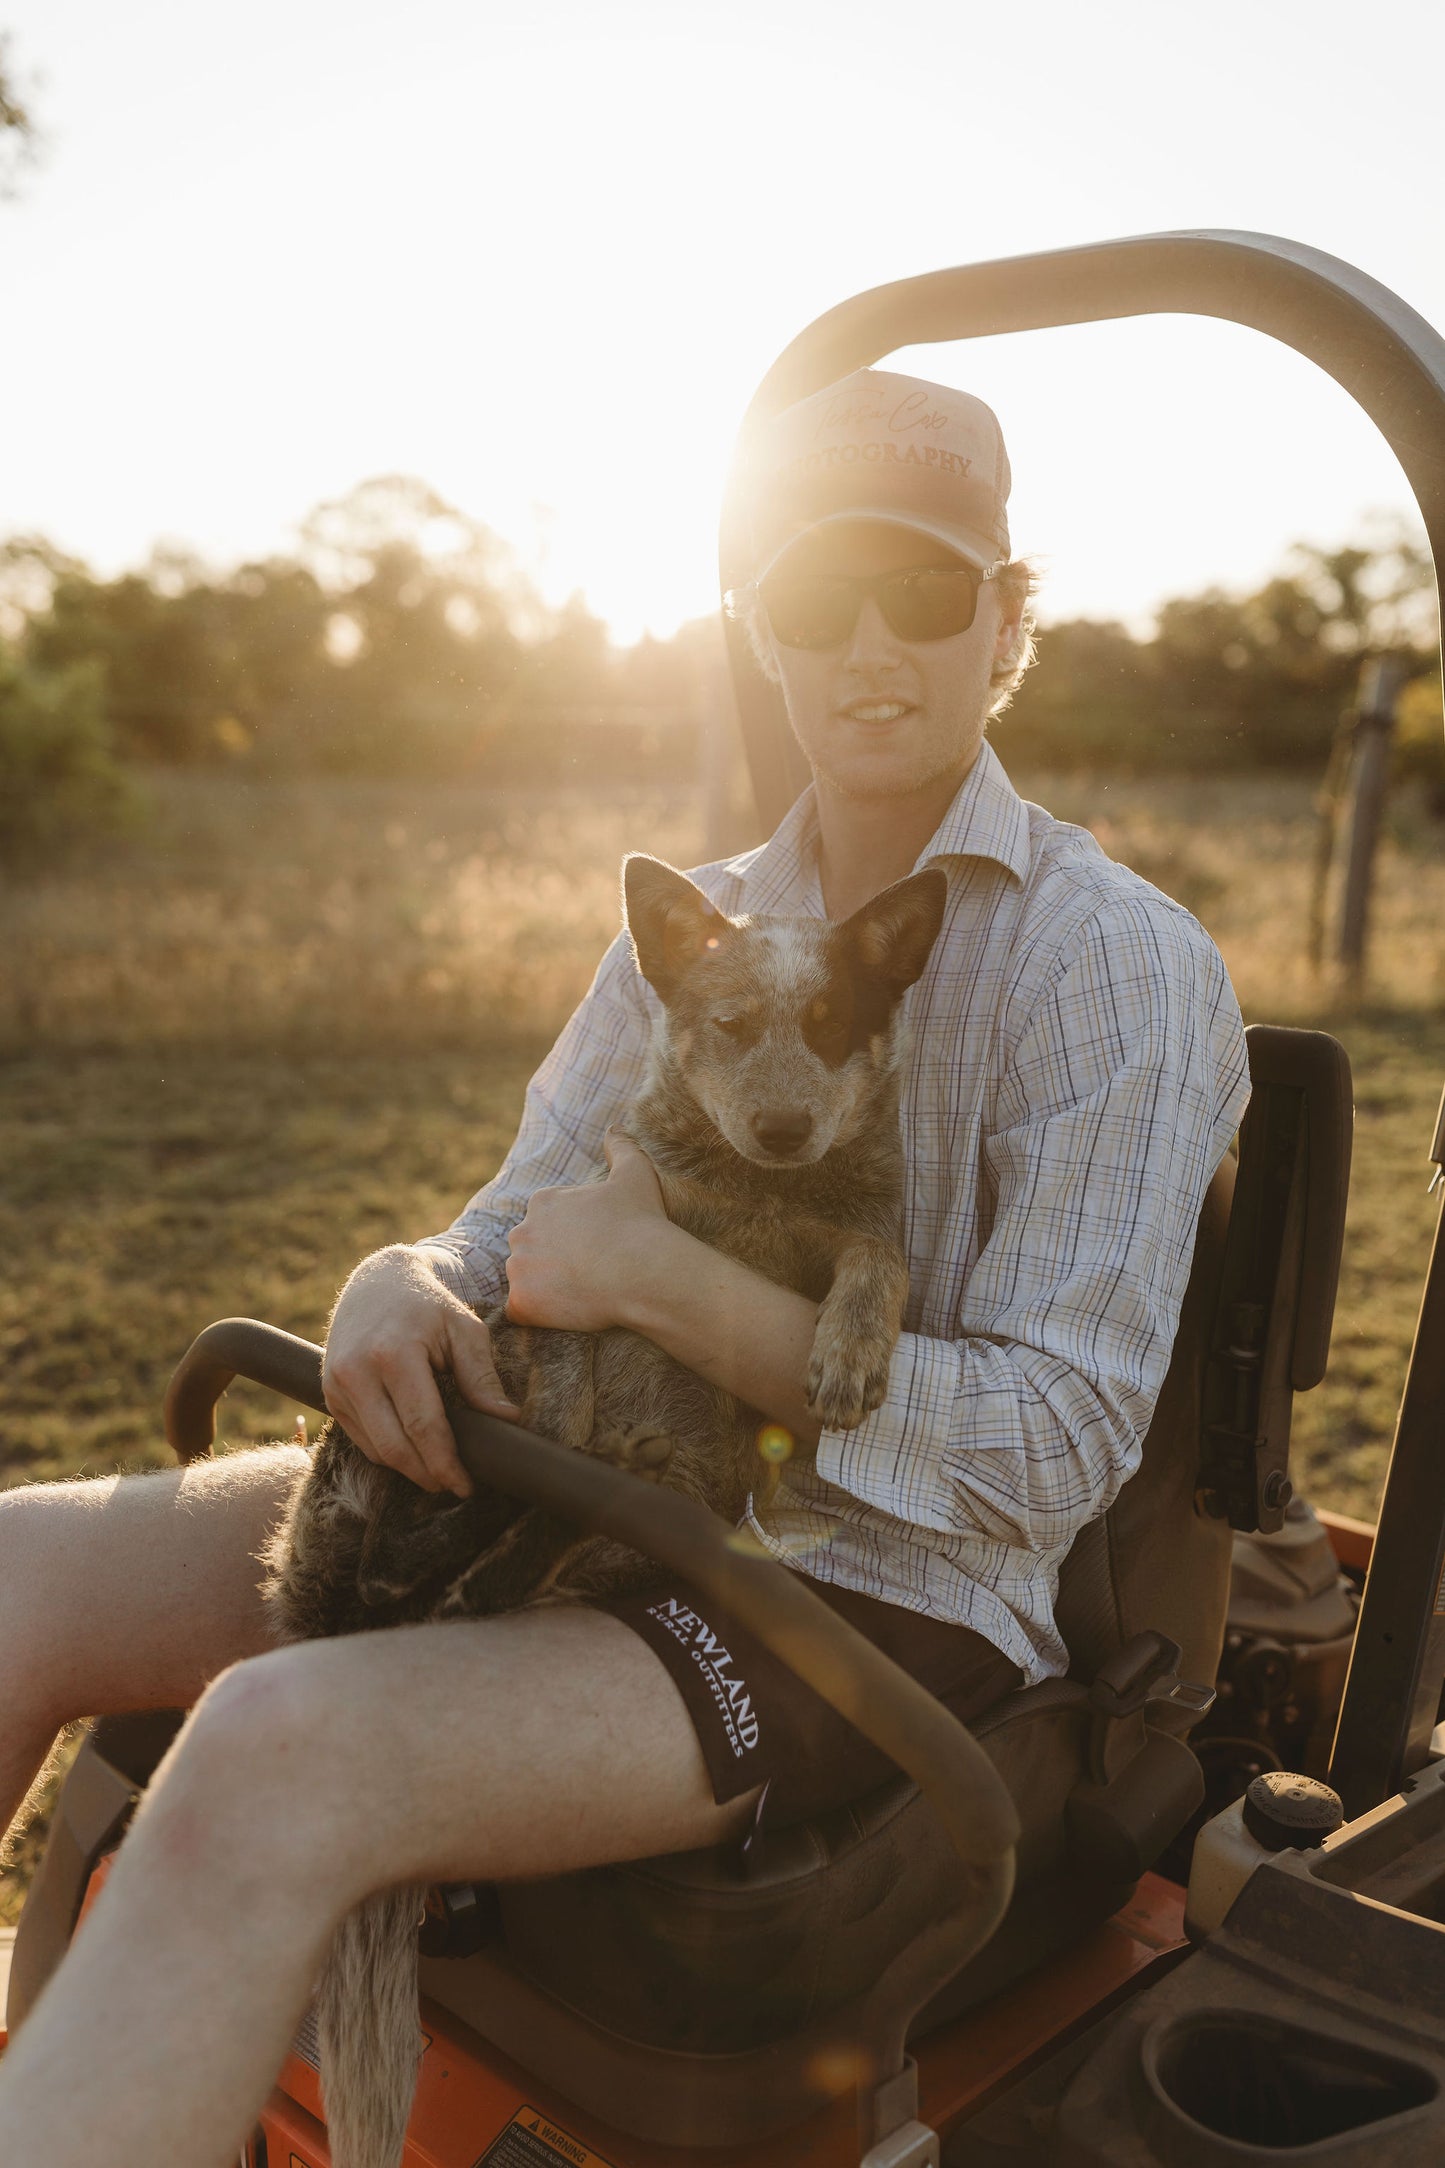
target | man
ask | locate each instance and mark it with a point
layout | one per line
(1077, 1070)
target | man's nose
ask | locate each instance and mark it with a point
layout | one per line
(782, 1129)
(872, 644)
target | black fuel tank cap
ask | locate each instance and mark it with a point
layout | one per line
(1285, 1811)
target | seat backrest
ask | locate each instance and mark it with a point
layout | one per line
(1281, 1268)
(1152, 1560)
(1254, 1330)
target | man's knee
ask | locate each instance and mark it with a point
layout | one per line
(267, 1762)
(263, 1714)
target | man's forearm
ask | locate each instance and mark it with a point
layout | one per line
(731, 1325)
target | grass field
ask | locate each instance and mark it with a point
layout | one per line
(291, 1023)
(296, 1023)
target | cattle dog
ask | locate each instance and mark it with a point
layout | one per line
(770, 1112)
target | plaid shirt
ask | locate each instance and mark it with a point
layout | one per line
(1076, 1070)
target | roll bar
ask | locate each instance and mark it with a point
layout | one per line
(1371, 342)
(886, 1705)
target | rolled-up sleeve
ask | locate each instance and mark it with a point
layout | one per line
(593, 1071)
(1117, 1097)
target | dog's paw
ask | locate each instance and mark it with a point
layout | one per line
(846, 1381)
(643, 1452)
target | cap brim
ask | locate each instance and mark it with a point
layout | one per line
(975, 549)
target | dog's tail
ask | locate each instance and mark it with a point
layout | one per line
(370, 2038)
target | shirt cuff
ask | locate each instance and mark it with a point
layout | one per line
(470, 1275)
(891, 1460)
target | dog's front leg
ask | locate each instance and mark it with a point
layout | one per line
(858, 1326)
(559, 1399)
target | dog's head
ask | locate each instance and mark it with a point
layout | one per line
(782, 1029)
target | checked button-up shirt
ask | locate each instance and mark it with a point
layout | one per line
(1076, 1070)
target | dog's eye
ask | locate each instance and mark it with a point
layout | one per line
(736, 1027)
(825, 1022)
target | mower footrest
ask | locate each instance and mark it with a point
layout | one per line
(911, 2146)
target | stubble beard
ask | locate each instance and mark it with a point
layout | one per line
(862, 779)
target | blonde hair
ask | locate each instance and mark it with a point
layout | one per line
(1015, 584)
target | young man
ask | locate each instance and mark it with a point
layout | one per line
(1077, 1069)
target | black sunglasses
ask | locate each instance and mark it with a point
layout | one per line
(820, 609)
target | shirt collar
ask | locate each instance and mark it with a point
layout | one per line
(986, 819)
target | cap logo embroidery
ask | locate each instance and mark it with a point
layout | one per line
(892, 455)
(846, 413)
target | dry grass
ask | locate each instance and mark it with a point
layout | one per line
(373, 915)
(366, 915)
(1239, 854)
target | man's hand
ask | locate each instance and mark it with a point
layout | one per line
(605, 1253)
(580, 1253)
(393, 1328)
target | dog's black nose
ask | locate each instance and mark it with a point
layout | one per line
(781, 1130)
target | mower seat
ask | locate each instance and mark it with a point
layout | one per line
(688, 1999)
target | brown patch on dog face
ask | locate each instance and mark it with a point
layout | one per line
(853, 1015)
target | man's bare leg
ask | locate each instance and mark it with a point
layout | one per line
(131, 1592)
(304, 1780)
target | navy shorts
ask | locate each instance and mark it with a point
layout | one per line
(759, 1724)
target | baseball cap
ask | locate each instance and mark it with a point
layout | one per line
(885, 447)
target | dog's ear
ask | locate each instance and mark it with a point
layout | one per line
(891, 936)
(670, 920)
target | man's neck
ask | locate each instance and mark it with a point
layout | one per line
(864, 844)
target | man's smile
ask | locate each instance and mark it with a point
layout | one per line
(876, 711)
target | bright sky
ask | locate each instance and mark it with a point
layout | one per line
(539, 252)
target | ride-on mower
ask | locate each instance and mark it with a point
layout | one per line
(986, 1960)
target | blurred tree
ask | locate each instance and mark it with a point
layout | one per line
(167, 661)
(428, 611)
(1084, 704)
(1259, 678)
(279, 704)
(59, 777)
(18, 138)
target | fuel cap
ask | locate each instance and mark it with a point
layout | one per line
(1286, 1812)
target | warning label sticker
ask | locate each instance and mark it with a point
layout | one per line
(530, 2140)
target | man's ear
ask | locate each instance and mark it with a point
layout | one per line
(891, 936)
(670, 920)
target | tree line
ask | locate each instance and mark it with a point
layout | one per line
(1228, 681)
(401, 637)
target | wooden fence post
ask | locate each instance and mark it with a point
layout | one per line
(1381, 677)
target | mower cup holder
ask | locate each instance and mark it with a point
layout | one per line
(1254, 2081)
(1308, 2026)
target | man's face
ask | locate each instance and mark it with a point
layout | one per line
(877, 716)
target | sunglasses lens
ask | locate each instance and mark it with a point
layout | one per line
(815, 612)
(929, 605)
(820, 611)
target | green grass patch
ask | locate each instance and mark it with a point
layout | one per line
(144, 1196)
